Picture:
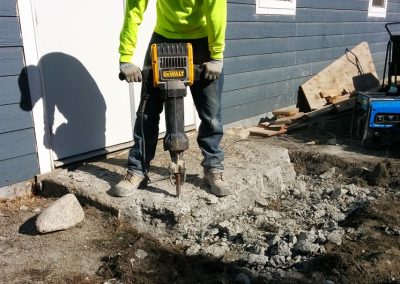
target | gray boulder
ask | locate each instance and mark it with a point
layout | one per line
(62, 214)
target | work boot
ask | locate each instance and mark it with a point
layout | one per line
(128, 185)
(216, 181)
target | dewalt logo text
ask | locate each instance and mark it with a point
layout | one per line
(173, 73)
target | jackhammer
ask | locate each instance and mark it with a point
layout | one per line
(173, 71)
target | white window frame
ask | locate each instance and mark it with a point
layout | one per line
(378, 12)
(275, 7)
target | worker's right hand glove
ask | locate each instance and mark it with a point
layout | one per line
(213, 69)
(130, 72)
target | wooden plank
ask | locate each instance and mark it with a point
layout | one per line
(329, 93)
(345, 104)
(264, 124)
(11, 61)
(333, 100)
(10, 32)
(297, 125)
(276, 127)
(8, 8)
(17, 143)
(285, 111)
(259, 131)
(320, 111)
(288, 120)
(340, 75)
(18, 169)
(12, 118)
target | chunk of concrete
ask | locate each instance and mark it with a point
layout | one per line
(62, 214)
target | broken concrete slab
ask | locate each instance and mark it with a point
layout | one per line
(157, 211)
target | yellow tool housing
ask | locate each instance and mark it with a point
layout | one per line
(172, 61)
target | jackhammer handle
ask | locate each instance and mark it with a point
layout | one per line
(198, 70)
(390, 24)
(144, 72)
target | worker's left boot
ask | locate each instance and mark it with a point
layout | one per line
(217, 183)
(129, 184)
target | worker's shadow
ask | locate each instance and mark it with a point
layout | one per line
(74, 107)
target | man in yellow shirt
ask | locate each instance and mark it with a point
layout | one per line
(203, 24)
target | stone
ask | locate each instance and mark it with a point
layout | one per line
(24, 208)
(272, 214)
(281, 248)
(335, 237)
(338, 192)
(277, 260)
(257, 259)
(62, 214)
(307, 236)
(15, 191)
(216, 250)
(193, 250)
(273, 240)
(256, 211)
(141, 254)
(328, 174)
(306, 247)
(211, 199)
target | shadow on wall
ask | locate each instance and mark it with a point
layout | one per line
(74, 106)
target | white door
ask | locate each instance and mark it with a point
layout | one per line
(87, 108)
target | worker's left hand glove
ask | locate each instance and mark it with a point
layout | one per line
(130, 72)
(213, 69)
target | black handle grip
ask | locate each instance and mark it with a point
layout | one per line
(121, 76)
(390, 24)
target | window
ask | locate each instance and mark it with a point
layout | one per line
(377, 8)
(276, 7)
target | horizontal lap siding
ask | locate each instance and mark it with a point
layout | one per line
(268, 57)
(18, 157)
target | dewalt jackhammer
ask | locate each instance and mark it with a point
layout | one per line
(173, 71)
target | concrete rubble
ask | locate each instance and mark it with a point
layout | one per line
(273, 220)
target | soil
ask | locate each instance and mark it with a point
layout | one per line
(103, 250)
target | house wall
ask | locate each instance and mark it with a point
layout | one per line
(268, 57)
(18, 159)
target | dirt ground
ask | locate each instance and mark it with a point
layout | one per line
(103, 250)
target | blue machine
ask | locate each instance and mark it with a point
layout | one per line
(376, 116)
(376, 119)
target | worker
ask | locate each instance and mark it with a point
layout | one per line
(201, 23)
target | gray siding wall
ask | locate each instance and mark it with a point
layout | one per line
(18, 157)
(268, 57)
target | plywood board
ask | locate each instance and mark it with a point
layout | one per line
(347, 74)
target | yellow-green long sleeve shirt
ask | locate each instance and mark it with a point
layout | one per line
(177, 19)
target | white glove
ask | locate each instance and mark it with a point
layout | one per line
(130, 72)
(213, 69)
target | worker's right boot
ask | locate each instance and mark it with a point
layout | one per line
(218, 185)
(129, 184)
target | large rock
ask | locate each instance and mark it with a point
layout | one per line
(62, 214)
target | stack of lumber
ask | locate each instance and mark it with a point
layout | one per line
(285, 117)
(331, 90)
